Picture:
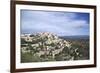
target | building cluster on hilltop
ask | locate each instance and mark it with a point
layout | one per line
(43, 44)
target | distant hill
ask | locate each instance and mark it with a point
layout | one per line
(79, 37)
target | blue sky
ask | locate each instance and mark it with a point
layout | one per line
(60, 23)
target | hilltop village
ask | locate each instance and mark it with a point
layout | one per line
(46, 46)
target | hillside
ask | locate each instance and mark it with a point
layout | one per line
(46, 46)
